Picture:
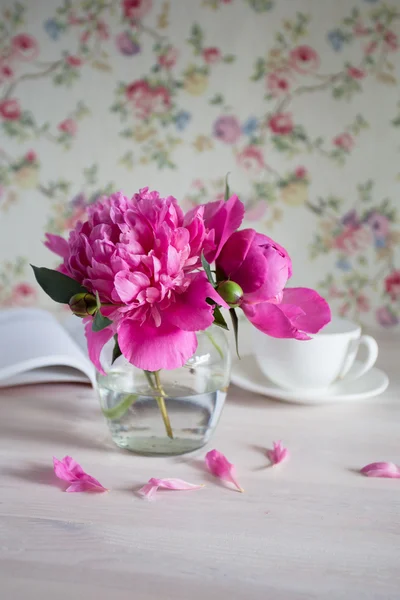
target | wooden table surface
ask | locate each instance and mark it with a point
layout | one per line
(314, 528)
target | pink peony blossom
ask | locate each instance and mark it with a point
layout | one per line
(278, 83)
(68, 126)
(168, 59)
(227, 129)
(141, 256)
(211, 55)
(148, 100)
(344, 141)
(355, 73)
(304, 59)
(261, 267)
(10, 110)
(281, 123)
(24, 47)
(136, 9)
(251, 159)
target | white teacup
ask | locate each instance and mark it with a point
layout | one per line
(315, 364)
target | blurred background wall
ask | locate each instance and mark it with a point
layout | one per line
(298, 100)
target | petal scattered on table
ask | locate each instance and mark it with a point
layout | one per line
(381, 469)
(220, 467)
(149, 490)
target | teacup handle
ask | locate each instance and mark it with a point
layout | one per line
(357, 371)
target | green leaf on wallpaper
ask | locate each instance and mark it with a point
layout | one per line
(229, 58)
(259, 70)
(58, 286)
(217, 99)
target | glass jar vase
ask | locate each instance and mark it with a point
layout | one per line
(166, 412)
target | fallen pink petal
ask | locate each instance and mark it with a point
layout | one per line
(220, 467)
(381, 469)
(278, 454)
(69, 470)
(149, 490)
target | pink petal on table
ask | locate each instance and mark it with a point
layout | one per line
(220, 467)
(381, 469)
(69, 470)
(151, 487)
(278, 454)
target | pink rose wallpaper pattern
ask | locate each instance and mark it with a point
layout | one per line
(298, 101)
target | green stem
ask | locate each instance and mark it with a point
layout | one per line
(162, 406)
(214, 343)
(118, 411)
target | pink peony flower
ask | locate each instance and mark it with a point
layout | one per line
(10, 110)
(23, 294)
(211, 55)
(227, 129)
(126, 45)
(73, 61)
(68, 126)
(136, 9)
(386, 317)
(169, 58)
(261, 267)
(251, 159)
(392, 285)
(345, 141)
(141, 256)
(24, 47)
(281, 123)
(355, 73)
(304, 59)
(278, 83)
(148, 100)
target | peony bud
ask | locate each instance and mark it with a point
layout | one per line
(231, 292)
(83, 304)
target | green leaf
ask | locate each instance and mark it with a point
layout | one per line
(58, 286)
(116, 350)
(227, 190)
(235, 323)
(120, 409)
(207, 269)
(100, 322)
(219, 319)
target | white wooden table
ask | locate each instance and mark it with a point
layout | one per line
(312, 529)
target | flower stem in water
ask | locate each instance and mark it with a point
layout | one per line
(161, 405)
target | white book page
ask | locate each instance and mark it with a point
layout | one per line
(35, 348)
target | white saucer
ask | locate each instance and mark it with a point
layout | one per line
(247, 375)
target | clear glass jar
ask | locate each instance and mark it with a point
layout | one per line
(166, 412)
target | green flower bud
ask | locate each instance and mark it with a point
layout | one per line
(231, 292)
(83, 304)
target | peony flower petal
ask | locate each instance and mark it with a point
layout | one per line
(69, 470)
(278, 454)
(57, 244)
(224, 218)
(316, 311)
(270, 319)
(381, 469)
(220, 467)
(149, 490)
(96, 340)
(153, 348)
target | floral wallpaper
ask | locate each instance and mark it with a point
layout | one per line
(298, 101)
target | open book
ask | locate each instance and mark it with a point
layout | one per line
(36, 348)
